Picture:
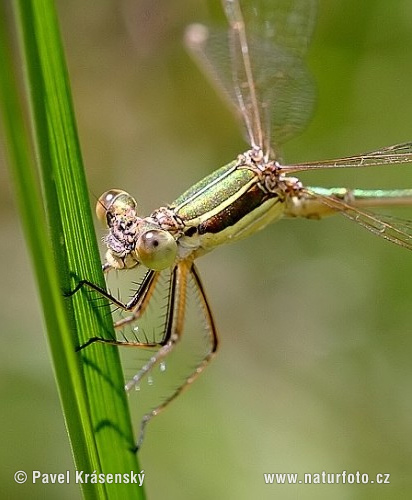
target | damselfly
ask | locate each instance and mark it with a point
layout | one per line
(258, 64)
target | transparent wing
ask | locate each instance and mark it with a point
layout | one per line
(399, 153)
(257, 63)
(390, 228)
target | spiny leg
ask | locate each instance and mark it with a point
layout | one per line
(137, 305)
(140, 300)
(173, 330)
(177, 325)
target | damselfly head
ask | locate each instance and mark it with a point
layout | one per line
(133, 240)
(117, 210)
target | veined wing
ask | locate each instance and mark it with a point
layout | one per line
(390, 228)
(258, 65)
(398, 153)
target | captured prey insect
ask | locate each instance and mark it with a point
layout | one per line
(258, 64)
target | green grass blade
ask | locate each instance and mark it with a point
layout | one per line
(59, 231)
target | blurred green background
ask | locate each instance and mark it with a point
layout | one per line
(314, 371)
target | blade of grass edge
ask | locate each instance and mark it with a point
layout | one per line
(30, 207)
(101, 441)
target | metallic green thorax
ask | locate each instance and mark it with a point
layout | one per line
(227, 205)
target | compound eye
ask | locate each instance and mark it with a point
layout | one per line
(114, 202)
(156, 249)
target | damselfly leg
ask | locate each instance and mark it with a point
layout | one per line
(174, 327)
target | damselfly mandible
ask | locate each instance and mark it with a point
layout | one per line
(258, 64)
